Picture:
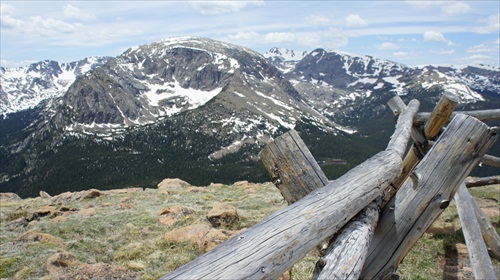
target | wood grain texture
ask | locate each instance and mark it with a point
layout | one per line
(292, 167)
(491, 161)
(346, 254)
(480, 261)
(482, 115)
(426, 193)
(490, 235)
(483, 181)
(401, 136)
(272, 246)
(440, 115)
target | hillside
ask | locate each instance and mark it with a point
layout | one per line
(145, 233)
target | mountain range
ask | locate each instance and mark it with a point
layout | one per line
(201, 110)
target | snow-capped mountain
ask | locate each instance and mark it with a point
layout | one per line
(158, 80)
(202, 109)
(25, 87)
(339, 84)
(284, 59)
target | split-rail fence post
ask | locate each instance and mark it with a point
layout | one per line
(273, 245)
(481, 264)
(426, 193)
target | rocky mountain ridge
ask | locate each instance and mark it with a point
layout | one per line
(25, 87)
(204, 109)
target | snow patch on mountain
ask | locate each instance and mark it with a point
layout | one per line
(25, 87)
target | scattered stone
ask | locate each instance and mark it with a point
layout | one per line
(216, 185)
(58, 262)
(44, 194)
(9, 196)
(33, 236)
(215, 237)
(173, 184)
(223, 214)
(193, 233)
(87, 212)
(17, 223)
(240, 183)
(99, 271)
(122, 191)
(74, 196)
(50, 211)
(170, 215)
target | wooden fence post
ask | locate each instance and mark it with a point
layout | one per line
(490, 235)
(482, 115)
(478, 253)
(426, 193)
(292, 167)
(345, 256)
(273, 245)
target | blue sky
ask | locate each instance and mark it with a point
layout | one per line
(409, 32)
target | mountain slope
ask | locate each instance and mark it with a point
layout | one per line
(202, 110)
(25, 87)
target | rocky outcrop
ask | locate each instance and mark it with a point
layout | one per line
(223, 215)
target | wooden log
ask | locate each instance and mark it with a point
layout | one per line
(273, 245)
(346, 254)
(397, 106)
(491, 161)
(292, 167)
(490, 235)
(426, 193)
(399, 140)
(484, 181)
(482, 115)
(480, 261)
(440, 115)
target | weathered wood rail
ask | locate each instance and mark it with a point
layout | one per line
(371, 237)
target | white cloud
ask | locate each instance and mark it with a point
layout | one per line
(222, 7)
(387, 46)
(71, 11)
(442, 52)
(246, 36)
(446, 7)
(433, 36)
(490, 24)
(401, 54)
(49, 26)
(6, 9)
(355, 20)
(486, 48)
(280, 37)
(452, 8)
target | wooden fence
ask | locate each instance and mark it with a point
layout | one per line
(376, 212)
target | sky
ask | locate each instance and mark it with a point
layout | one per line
(409, 32)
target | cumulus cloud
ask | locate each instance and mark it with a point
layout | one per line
(222, 7)
(490, 24)
(71, 11)
(355, 20)
(433, 36)
(387, 46)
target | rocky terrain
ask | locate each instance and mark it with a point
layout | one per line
(140, 233)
